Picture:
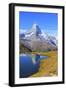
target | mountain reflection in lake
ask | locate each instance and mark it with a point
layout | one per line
(29, 64)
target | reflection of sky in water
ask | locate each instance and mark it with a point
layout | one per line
(29, 64)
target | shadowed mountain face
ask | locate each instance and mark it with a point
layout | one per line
(36, 30)
(24, 49)
(36, 40)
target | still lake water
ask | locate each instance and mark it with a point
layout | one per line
(29, 64)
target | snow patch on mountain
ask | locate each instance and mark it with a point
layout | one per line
(37, 39)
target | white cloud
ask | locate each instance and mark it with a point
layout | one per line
(50, 33)
(22, 31)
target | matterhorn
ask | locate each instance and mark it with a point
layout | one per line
(36, 40)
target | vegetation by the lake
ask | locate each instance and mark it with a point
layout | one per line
(49, 66)
(23, 49)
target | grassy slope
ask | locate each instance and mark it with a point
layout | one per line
(24, 49)
(48, 67)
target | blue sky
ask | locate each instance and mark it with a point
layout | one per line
(48, 22)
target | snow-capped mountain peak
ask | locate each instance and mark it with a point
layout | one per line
(36, 39)
(36, 29)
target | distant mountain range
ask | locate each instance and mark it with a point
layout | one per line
(36, 40)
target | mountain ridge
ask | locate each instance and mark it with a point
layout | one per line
(35, 40)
